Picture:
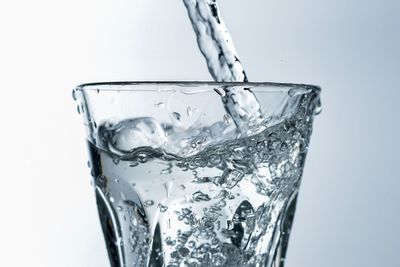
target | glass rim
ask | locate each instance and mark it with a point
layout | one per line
(122, 85)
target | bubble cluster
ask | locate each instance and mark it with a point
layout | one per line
(222, 206)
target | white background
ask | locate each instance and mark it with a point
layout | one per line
(348, 211)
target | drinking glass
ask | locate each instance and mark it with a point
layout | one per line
(179, 182)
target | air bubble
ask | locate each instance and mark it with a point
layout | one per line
(148, 203)
(142, 157)
(191, 244)
(170, 242)
(162, 208)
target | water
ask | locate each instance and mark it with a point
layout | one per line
(217, 47)
(214, 41)
(230, 203)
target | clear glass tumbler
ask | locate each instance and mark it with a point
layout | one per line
(178, 182)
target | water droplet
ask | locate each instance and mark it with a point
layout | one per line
(200, 196)
(220, 91)
(116, 161)
(189, 111)
(318, 109)
(231, 178)
(170, 242)
(191, 244)
(227, 119)
(133, 164)
(177, 116)
(101, 178)
(148, 203)
(222, 203)
(116, 181)
(187, 198)
(200, 162)
(215, 159)
(297, 91)
(184, 251)
(182, 187)
(74, 94)
(119, 208)
(160, 105)
(162, 208)
(186, 211)
(111, 199)
(142, 157)
(212, 187)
